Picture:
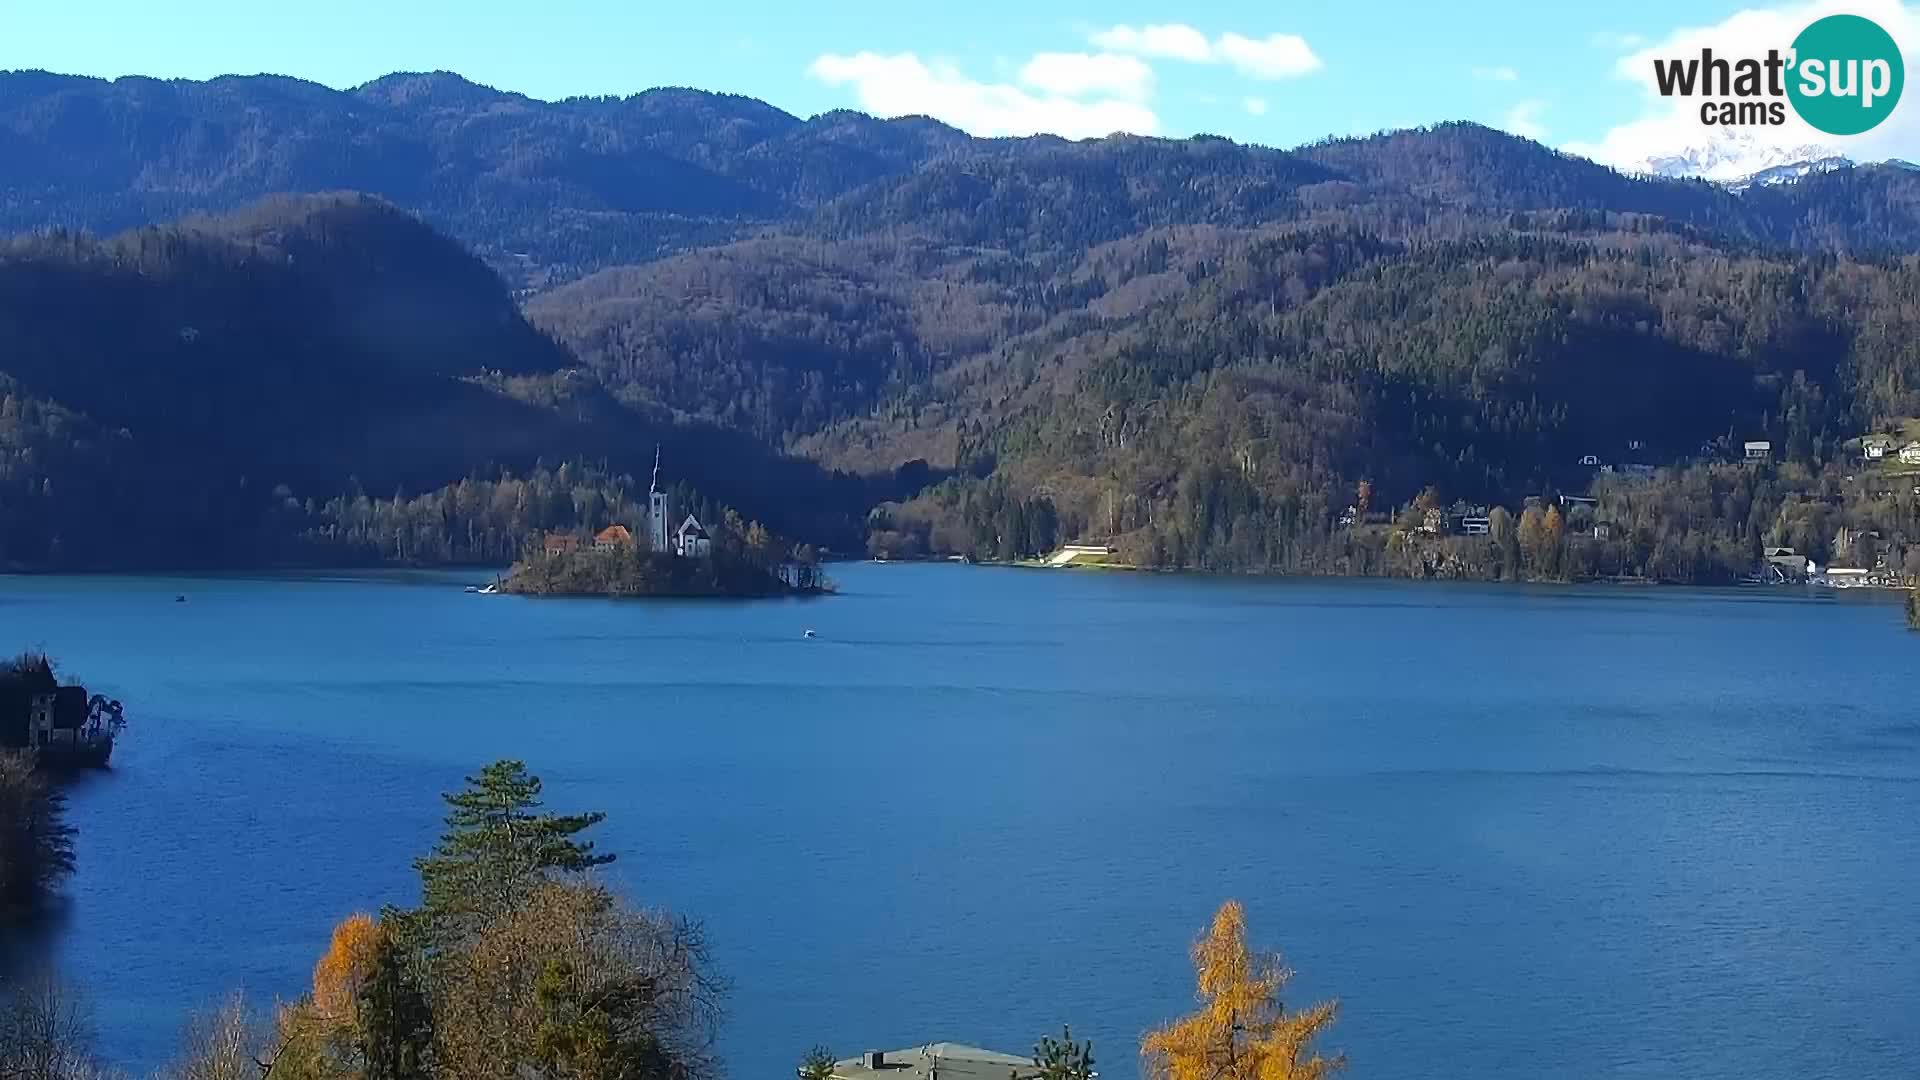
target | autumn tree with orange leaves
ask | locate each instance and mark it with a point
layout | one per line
(320, 1035)
(1242, 1030)
(343, 968)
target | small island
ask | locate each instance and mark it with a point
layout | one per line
(737, 558)
(633, 570)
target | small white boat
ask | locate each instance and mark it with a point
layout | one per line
(809, 633)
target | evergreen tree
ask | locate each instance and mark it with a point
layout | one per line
(1062, 1058)
(396, 1021)
(497, 849)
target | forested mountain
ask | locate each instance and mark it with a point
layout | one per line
(181, 395)
(534, 187)
(552, 190)
(1208, 353)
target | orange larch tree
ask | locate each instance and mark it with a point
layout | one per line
(1242, 1030)
(341, 970)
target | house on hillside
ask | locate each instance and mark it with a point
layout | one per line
(690, 540)
(936, 1061)
(1476, 526)
(1875, 447)
(561, 543)
(613, 538)
(1590, 460)
(1910, 454)
(1759, 450)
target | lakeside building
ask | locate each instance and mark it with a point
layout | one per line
(612, 538)
(936, 1061)
(1759, 450)
(62, 724)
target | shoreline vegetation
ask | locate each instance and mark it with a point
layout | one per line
(36, 842)
(632, 571)
(521, 961)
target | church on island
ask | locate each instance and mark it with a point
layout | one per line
(688, 540)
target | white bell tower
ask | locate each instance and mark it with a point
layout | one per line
(657, 508)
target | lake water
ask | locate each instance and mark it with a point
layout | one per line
(1518, 832)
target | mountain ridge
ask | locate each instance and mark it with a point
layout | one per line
(1203, 350)
(551, 191)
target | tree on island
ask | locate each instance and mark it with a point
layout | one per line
(1242, 1030)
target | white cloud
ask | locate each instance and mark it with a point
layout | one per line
(1255, 106)
(1276, 56)
(1080, 74)
(1172, 41)
(1524, 120)
(1669, 126)
(904, 85)
(1496, 74)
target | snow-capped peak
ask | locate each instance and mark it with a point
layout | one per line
(1787, 174)
(1737, 159)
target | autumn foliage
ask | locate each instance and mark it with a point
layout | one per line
(1242, 1030)
(343, 968)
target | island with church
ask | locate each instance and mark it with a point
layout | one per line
(656, 557)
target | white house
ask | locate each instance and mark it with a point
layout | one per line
(1875, 447)
(1759, 450)
(690, 540)
(1910, 454)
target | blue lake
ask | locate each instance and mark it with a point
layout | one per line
(1517, 832)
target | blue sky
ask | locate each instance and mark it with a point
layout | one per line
(1278, 73)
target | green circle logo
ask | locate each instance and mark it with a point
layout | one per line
(1847, 74)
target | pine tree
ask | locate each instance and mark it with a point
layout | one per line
(497, 849)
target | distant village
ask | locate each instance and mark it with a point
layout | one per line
(1778, 565)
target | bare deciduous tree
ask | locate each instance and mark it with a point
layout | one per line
(46, 1033)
